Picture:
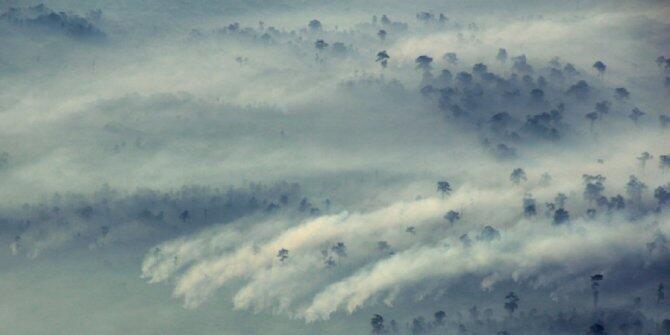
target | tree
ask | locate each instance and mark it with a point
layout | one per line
(452, 216)
(382, 35)
(339, 249)
(315, 25)
(511, 303)
(664, 119)
(443, 187)
(479, 68)
(594, 186)
(597, 329)
(635, 115)
(383, 58)
(520, 64)
(560, 200)
(621, 93)
(603, 107)
(666, 326)
(474, 313)
(502, 55)
(529, 208)
(644, 157)
(580, 90)
(450, 57)
(183, 216)
(660, 293)
(518, 175)
(377, 323)
(442, 19)
(635, 188)
(320, 45)
(592, 117)
(662, 195)
(329, 262)
(385, 20)
(418, 326)
(282, 254)
(570, 69)
(561, 216)
(545, 179)
(537, 95)
(423, 62)
(600, 67)
(488, 234)
(595, 284)
(465, 240)
(440, 317)
(664, 161)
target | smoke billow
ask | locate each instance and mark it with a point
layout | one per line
(304, 168)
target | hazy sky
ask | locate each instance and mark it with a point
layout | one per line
(235, 167)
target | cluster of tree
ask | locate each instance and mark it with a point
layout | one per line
(543, 100)
(430, 18)
(44, 18)
(187, 209)
(664, 63)
(629, 319)
(594, 187)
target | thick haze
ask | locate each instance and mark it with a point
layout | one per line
(290, 167)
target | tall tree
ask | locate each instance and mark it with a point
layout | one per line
(383, 58)
(511, 303)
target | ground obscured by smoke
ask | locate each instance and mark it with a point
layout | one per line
(326, 168)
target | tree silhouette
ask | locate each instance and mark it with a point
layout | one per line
(383, 58)
(450, 57)
(423, 62)
(452, 216)
(595, 285)
(511, 303)
(440, 317)
(643, 158)
(603, 107)
(502, 55)
(594, 186)
(282, 254)
(635, 115)
(443, 187)
(621, 93)
(664, 161)
(518, 175)
(339, 249)
(314, 25)
(597, 329)
(592, 117)
(377, 323)
(529, 207)
(382, 35)
(600, 67)
(660, 293)
(320, 45)
(183, 216)
(418, 326)
(561, 216)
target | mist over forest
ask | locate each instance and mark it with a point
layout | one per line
(334, 167)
